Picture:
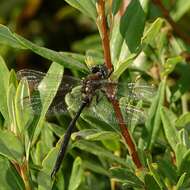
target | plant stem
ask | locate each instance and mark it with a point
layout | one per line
(101, 22)
(107, 56)
(24, 175)
(125, 133)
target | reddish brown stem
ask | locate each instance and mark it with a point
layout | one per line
(175, 27)
(104, 33)
(123, 7)
(125, 133)
(107, 56)
(24, 175)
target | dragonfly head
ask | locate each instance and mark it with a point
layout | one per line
(102, 69)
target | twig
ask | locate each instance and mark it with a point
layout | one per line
(115, 103)
(175, 27)
(24, 175)
(126, 134)
(101, 22)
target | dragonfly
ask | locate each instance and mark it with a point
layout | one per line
(90, 87)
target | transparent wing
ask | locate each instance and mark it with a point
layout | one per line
(103, 111)
(39, 90)
(133, 95)
(132, 90)
(34, 79)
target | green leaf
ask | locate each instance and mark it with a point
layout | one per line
(47, 98)
(95, 135)
(183, 120)
(13, 78)
(112, 145)
(7, 37)
(125, 176)
(4, 73)
(115, 6)
(68, 60)
(132, 25)
(152, 32)
(60, 183)
(87, 7)
(108, 138)
(150, 183)
(170, 131)
(180, 151)
(76, 174)
(11, 147)
(126, 37)
(95, 167)
(184, 137)
(9, 178)
(44, 145)
(180, 8)
(168, 170)
(153, 122)
(98, 151)
(121, 66)
(118, 48)
(185, 163)
(180, 182)
(22, 116)
(44, 176)
(170, 64)
(94, 57)
(11, 108)
(156, 175)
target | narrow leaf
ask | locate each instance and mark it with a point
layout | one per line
(115, 6)
(180, 8)
(47, 98)
(151, 183)
(22, 116)
(76, 174)
(153, 30)
(170, 64)
(98, 151)
(154, 120)
(169, 128)
(183, 120)
(10, 146)
(87, 7)
(11, 108)
(4, 73)
(157, 177)
(9, 178)
(180, 182)
(68, 60)
(132, 25)
(124, 175)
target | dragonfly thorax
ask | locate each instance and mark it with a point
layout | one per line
(93, 82)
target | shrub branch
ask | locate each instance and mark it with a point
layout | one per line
(115, 103)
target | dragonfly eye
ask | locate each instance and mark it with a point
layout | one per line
(102, 69)
(95, 69)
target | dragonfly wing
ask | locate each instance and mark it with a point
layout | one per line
(39, 91)
(142, 91)
(103, 111)
(135, 91)
(134, 114)
(34, 79)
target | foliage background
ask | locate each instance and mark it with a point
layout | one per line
(145, 41)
